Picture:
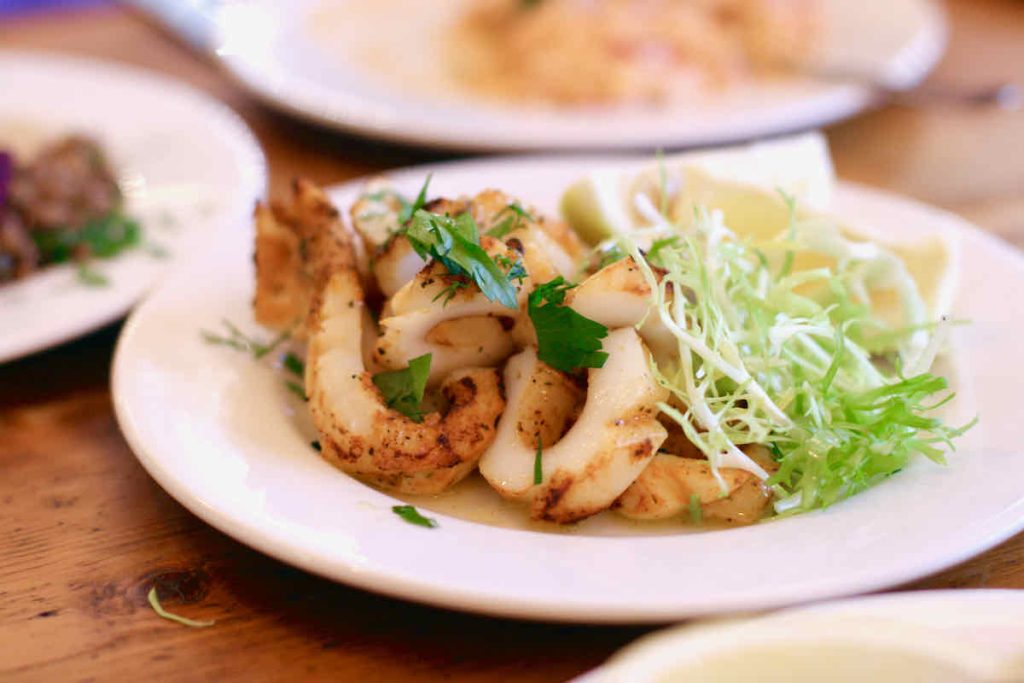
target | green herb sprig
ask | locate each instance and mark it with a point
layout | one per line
(102, 237)
(238, 340)
(411, 515)
(403, 389)
(566, 340)
(508, 219)
(538, 463)
(409, 210)
(455, 243)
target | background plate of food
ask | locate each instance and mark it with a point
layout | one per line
(109, 176)
(574, 74)
(524, 448)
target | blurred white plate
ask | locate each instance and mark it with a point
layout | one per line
(188, 167)
(332, 66)
(952, 636)
(221, 433)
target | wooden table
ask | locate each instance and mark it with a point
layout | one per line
(84, 532)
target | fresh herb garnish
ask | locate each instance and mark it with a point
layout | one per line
(296, 389)
(606, 256)
(696, 511)
(154, 602)
(91, 277)
(538, 463)
(411, 515)
(293, 364)
(566, 340)
(239, 341)
(316, 446)
(508, 219)
(403, 389)
(760, 361)
(99, 238)
(654, 253)
(514, 270)
(455, 243)
(409, 210)
(454, 286)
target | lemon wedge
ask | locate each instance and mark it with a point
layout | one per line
(603, 203)
(907, 283)
(911, 282)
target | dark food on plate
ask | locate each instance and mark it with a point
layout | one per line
(61, 205)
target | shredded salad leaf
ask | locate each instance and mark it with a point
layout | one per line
(566, 340)
(154, 602)
(403, 389)
(759, 361)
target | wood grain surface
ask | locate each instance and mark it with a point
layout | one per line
(84, 532)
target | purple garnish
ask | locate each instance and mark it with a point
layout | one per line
(6, 173)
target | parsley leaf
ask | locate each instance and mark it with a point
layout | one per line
(538, 463)
(293, 364)
(409, 210)
(296, 389)
(455, 243)
(101, 237)
(509, 218)
(413, 516)
(403, 389)
(566, 340)
(239, 341)
(696, 511)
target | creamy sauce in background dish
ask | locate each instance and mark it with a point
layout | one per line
(584, 54)
(401, 41)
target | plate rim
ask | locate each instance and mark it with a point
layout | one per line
(482, 602)
(841, 101)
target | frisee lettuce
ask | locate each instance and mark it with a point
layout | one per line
(760, 361)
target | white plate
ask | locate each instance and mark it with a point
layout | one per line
(962, 635)
(335, 71)
(188, 167)
(223, 436)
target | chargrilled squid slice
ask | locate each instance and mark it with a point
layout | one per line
(549, 248)
(396, 264)
(605, 449)
(362, 436)
(449, 318)
(619, 295)
(298, 247)
(673, 486)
